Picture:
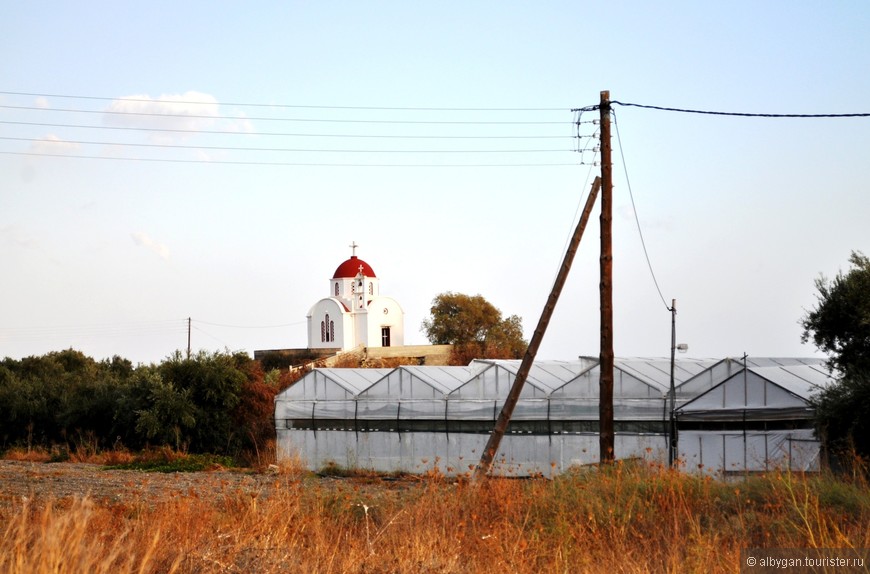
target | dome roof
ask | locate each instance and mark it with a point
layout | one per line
(351, 267)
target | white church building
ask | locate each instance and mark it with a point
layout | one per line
(355, 313)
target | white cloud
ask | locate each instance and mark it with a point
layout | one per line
(41, 102)
(240, 124)
(191, 112)
(53, 145)
(144, 240)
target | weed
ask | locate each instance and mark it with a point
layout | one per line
(171, 461)
(29, 454)
(627, 517)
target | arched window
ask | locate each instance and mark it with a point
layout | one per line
(371, 288)
(336, 288)
(332, 330)
(328, 334)
(322, 332)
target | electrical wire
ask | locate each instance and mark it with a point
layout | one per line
(249, 326)
(207, 334)
(291, 150)
(581, 202)
(281, 134)
(288, 164)
(118, 329)
(96, 330)
(284, 106)
(634, 209)
(734, 114)
(148, 124)
(276, 119)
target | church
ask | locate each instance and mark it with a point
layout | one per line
(355, 314)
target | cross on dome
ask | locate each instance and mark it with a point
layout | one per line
(353, 266)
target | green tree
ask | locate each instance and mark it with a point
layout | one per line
(61, 397)
(474, 327)
(214, 382)
(170, 415)
(839, 326)
(210, 402)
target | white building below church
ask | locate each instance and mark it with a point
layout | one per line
(355, 313)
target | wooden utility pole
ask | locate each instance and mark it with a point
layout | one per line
(605, 407)
(672, 390)
(507, 410)
(188, 337)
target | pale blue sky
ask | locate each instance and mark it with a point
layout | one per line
(110, 256)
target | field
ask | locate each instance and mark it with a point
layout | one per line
(74, 517)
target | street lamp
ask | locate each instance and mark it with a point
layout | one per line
(672, 392)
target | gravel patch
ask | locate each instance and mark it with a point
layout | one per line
(37, 481)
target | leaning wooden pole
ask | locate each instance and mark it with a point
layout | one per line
(605, 405)
(507, 410)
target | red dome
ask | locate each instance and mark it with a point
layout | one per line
(351, 267)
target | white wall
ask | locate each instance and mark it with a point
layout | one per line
(317, 314)
(394, 318)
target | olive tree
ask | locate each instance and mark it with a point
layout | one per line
(839, 326)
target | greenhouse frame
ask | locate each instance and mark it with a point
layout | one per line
(753, 417)
(421, 419)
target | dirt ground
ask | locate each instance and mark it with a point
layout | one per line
(53, 481)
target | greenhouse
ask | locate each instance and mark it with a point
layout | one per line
(751, 417)
(430, 418)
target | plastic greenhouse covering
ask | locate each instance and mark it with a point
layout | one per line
(753, 418)
(732, 415)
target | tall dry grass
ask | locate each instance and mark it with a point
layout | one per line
(626, 518)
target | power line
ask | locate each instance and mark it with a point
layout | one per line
(281, 134)
(736, 114)
(283, 106)
(113, 329)
(152, 120)
(94, 330)
(288, 164)
(293, 150)
(206, 333)
(581, 201)
(250, 326)
(636, 218)
(276, 119)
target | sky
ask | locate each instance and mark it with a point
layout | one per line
(440, 138)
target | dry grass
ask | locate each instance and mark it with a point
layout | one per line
(628, 518)
(28, 454)
(58, 454)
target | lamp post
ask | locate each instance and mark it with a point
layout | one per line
(672, 392)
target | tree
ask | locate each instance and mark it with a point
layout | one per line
(254, 415)
(505, 340)
(171, 413)
(212, 382)
(840, 323)
(210, 402)
(474, 327)
(839, 326)
(59, 397)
